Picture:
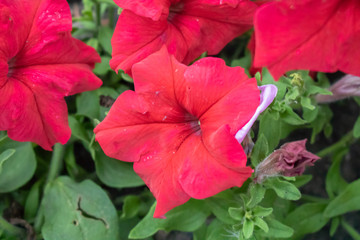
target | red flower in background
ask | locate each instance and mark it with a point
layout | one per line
(312, 35)
(179, 127)
(40, 63)
(187, 27)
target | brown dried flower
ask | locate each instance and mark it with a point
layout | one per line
(289, 160)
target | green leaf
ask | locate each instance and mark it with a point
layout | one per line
(350, 230)
(308, 218)
(357, 128)
(17, 164)
(283, 189)
(278, 230)
(318, 90)
(105, 34)
(271, 129)
(186, 218)
(103, 67)
(310, 115)
(248, 228)
(259, 211)
(335, 222)
(78, 211)
(131, 206)
(306, 103)
(87, 104)
(302, 180)
(115, 173)
(347, 201)
(78, 130)
(290, 117)
(334, 182)
(217, 229)
(237, 213)
(220, 207)
(260, 150)
(257, 193)
(261, 224)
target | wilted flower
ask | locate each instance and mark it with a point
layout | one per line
(187, 28)
(40, 64)
(181, 127)
(289, 160)
(311, 35)
(347, 86)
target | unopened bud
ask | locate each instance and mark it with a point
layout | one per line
(289, 160)
(347, 86)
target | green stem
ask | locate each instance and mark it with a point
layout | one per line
(11, 229)
(352, 232)
(343, 142)
(56, 162)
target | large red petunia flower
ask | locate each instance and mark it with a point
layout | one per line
(181, 127)
(312, 35)
(187, 27)
(40, 63)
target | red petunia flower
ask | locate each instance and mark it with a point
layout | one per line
(312, 35)
(187, 27)
(40, 63)
(181, 127)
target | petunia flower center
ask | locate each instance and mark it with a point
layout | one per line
(11, 65)
(175, 9)
(195, 126)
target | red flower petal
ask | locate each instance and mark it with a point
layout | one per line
(42, 63)
(208, 171)
(147, 8)
(211, 92)
(313, 35)
(187, 31)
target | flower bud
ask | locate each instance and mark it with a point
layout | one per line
(347, 86)
(289, 160)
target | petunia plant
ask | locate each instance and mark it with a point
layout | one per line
(179, 119)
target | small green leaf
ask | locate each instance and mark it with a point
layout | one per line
(278, 230)
(257, 193)
(334, 182)
(248, 228)
(88, 104)
(283, 189)
(335, 222)
(357, 128)
(217, 229)
(237, 213)
(310, 115)
(105, 34)
(260, 150)
(271, 129)
(78, 130)
(347, 201)
(290, 117)
(78, 211)
(259, 211)
(308, 218)
(131, 206)
(351, 231)
(32, 202)
(302, 180)
(186, 218)
(103, 67)
(261, 224)
(17, 164)
(306, 103)
(5, 156)
(219, 207)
